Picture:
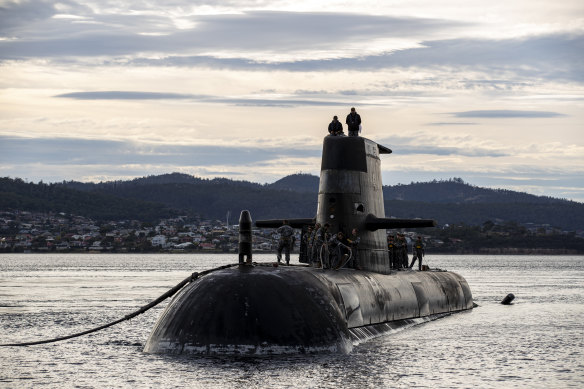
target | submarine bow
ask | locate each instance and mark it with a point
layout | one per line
(252, 310)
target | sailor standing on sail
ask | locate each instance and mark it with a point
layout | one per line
(335, 127)
(353, 122)
(285, 243)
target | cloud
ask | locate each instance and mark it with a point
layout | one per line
(247, 101)
(15, 14)
(58, 151)
(441, 150)
(507, 114)
(439, 146)
(291, 41)
(129, 95)
(265, 31)
(554, 57)
(451, 124)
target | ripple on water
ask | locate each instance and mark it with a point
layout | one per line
(536, 342)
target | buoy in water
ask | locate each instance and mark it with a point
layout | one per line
(508, 299)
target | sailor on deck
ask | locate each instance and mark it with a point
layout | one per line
(393, 263)
(337, 249)
(285, 243)
(418, 251)
(354, 241)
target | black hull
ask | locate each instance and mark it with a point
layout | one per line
(265, 309)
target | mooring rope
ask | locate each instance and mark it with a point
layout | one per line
(140, 311)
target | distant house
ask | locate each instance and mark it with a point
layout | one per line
(184, 245)
(159, 240)
(96, 246)
(63, 246)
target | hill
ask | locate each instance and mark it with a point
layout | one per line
(210, 198)
(303, 183)
(295, 196)
(456, 191)
(19, 195)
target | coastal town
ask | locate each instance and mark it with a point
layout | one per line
(25, 232)
(40, 232)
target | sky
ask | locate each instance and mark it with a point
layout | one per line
(488, 91)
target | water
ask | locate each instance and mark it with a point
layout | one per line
(537, 342)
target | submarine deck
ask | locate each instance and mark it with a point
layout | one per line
(298, 307)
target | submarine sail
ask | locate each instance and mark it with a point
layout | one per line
(262, 309)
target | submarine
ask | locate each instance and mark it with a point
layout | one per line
(259, 308)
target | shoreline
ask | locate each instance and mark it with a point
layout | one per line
(505, 251)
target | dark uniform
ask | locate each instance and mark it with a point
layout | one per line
(354, 241)
(304, 256)
(391, 252)
(353, 122)
(336, 245)
(286, 234)
(320, 248)
(335, 127)
(397, 252)
(404, 252)
(312, 245)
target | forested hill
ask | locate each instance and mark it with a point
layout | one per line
(456, 191)
(294, 196)
(15, 194)
(209, 198)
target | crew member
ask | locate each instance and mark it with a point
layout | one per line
(393, 264)
(336, 245)
(354, 241)
(320, 247)
(304, 256)
(286, 233)
(397, 252)
(353, 122)
(335, 127)
(404, 251)
(418, 250)
(312, 245)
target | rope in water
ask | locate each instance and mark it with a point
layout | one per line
(140, 311)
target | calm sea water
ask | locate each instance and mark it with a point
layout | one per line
(537, 342)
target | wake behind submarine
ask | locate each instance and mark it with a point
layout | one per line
(261, 309)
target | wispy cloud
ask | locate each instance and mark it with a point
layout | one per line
(243, 32)
(451, 124)
(57, 151)
(507, 114)
(244, 101)
(130, 95)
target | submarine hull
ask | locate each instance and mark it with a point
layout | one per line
(275, 310)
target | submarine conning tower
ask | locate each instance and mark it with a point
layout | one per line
(350, 189)
(350, 195)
